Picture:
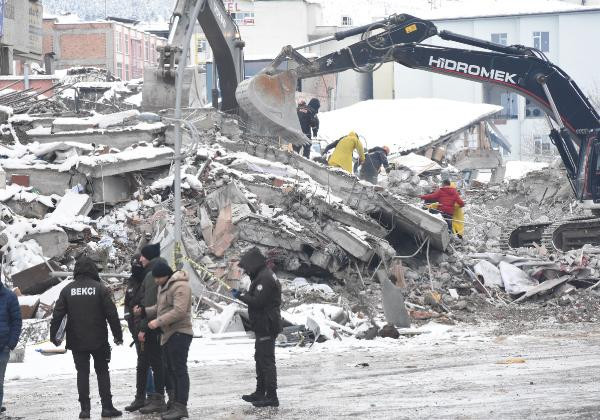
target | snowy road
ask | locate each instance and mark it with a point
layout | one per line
(453, 374)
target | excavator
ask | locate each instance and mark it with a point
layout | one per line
(223, 36)
(267, 100)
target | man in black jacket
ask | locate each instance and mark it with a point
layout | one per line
(134, 296)
(264, 301)
(151, 354)
(88, 305)
(374, 160)
(309, 123)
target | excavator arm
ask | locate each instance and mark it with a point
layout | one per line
(269, 97)
(223, 36)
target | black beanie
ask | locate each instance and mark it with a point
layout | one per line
(162, 269)
(151, 251)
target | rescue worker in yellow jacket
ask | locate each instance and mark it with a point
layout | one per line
(344, 148)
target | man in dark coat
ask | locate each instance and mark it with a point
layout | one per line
(309, 123)
(88, 305)
(10, 330)
(151, 355)
(134, 297)
(374, 160)
(264, 301)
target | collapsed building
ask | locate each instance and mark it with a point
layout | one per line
(351, 256)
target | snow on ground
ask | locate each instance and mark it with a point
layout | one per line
(212, 350)
(516, 169)
(402, 124)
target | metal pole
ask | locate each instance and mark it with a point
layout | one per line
(179, 89)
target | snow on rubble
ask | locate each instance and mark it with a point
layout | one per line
(402, 124)
(343, 250)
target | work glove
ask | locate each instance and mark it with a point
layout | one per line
(118, 342)
(55, 342)
(235, 293)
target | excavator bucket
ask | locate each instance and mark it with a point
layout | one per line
(158, 92)
(269, 103)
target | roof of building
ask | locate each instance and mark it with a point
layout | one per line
(404, 124)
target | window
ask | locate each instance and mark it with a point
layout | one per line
(200, 45)
(543, 146)
(126, 45)
(243, 18)
(119, 42)
(505, 98)
(541, 41)
(500, 39)
(346, 21)
(119, 70)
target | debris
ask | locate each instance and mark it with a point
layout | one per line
(393, 302)
(515, 280)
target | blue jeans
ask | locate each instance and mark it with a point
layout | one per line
(4, 356)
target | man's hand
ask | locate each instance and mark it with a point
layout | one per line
(141, 337)
(118, 342)
(55, 342)
(235, 293)
(153, 324)
(137, 310)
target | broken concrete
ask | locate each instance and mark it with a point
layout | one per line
(54, 243)
(35, 280)
(350, 241)
(360, 196)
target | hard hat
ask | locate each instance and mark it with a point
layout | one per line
(386, 149)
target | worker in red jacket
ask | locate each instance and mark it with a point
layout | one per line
(446, 196)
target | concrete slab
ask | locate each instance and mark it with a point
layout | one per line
(54, 243)
(362, 197)
(349, 241)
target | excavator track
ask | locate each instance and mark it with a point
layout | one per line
(522, 236)
(563, 235)
(572, 234)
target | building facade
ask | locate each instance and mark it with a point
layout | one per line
(122, 49)
(20, 34)
(567, 38)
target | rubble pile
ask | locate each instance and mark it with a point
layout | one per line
(354, 260)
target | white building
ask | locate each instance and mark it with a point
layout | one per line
(566, 33)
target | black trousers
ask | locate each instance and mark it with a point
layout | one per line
(175, 354)
(369, 177)
(305, 150)
(150, 355)
(82, 364)
(448, 218)
(266, 371)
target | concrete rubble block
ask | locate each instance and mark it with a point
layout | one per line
(71, 205)
(112, 190)
(53, 243)
(47, 181)
(350, 241)
(238, 212)
(118, 138)
(394, 308)
(223, 234)
(263, 231)
(228, 321)
(515, 280)
(36, 279)
(226, 195)
(31, 209)
(490, 273)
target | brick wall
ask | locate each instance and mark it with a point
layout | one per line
(73, 46)
(48, 40)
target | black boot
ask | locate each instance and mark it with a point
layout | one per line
(270, 400)
(137, 403)
(156, 404)
(108, 410)
(177, 412)
(86, 407)
(255, 396)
